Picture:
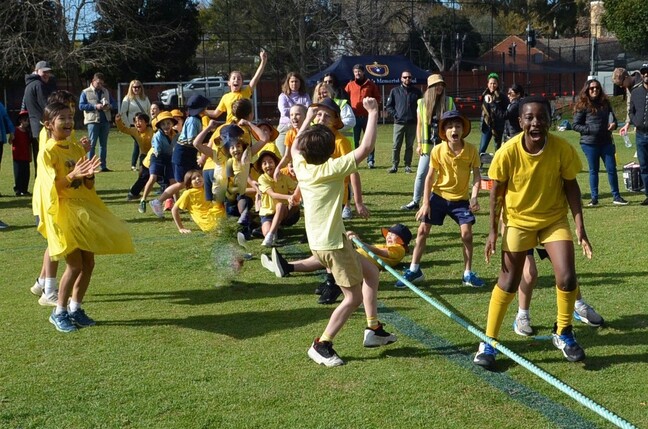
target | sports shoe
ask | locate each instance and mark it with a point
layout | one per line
(279, 264)
(347, 213)
(81, 319)
(240, 238)
(142, 206)
(157, 208)
(619, 201)
(131, 197)
(322, 353)
(371, 165)
(330, 294)
(408, 170)
(269, 240)
(48, 301)
(377, 337)
(566, 342)
(588, 315)
(320, 288)
(485, 355)
(472, 280)
(5, 226)
(522, 326)
(62, 322)
(412, 205)
(168, 204)
(267, 263)
(133, 168)
(37, 289)
(593, 203)
(643, 203)
(392, 170)
(411, 276)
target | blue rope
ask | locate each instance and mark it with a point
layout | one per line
(570, 391)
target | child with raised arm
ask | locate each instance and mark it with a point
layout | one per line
(321, 180)
(142, 134)
(205, 214)
(75, 221)
(446, 193)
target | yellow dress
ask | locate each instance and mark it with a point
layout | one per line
(75, 217)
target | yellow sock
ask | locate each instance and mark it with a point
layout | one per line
(565, 303)
(372, 322)
(499, 303)
(326, 337)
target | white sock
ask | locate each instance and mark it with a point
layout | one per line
(524, 313)
(414, 267)
(467, 273)
(41, 281)
(59, 309)
(74, 306)
(50, 286)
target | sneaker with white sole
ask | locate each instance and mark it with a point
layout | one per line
(322, 353)
(48, 301)
(142, 206)
(266, 263)
(588, 315)
(347, 213)
(279, 264)
(522, 326)
(269, 240)
(157, 208)
(485, 356)
(81, 319)
(62, 322)
(566, 343)
(412, 205)
(472, 280)
(240, 238)
(411, 276)
(377, 337)
(37, 289)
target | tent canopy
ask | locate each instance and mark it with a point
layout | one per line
(382, 69)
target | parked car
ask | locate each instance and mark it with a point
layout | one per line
(213, 87)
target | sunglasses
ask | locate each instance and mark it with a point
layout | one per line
(594, 88)
(136, 87)
(406, 77)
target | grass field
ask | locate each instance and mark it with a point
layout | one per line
(182, 343)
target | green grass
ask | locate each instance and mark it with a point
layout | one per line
(182, 343)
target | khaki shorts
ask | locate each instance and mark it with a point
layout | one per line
(521, 240)
(344, 263)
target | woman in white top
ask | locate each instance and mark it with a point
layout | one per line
(134, 102)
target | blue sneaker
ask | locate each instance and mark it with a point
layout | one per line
(81, 319)
(411, 276)
(485, 356)
(62, 322)
(566, 343)
(472, 280)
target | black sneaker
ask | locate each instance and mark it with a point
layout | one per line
(645, 202)
(566, 343)
(619, 201)
(392, 170)
(330, 294)
(412, 205)
(322, 353)
(593, 203)
(280, 264)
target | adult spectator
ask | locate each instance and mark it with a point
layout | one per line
(359, 88)
(133, 103)
(293, 91)
(493, 114)
(401, 104)
(627, 81)
(96, 104)
(512, 125)
(38, 86)
(331, 79)
(638, 114)
(594, 119)
(6, 128)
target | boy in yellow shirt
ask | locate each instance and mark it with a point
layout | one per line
(446, 194)
(143, 134)
(534, 183)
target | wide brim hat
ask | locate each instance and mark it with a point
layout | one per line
(400, 230)
(453, 115)
(162, 116)
(327, 103)
(433, 79)
(196, 104)
(177, 113)
(273, 131)
(265, 150)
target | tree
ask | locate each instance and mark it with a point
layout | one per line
(628, 19)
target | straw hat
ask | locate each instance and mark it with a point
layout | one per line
(162, 116)
(433, 79)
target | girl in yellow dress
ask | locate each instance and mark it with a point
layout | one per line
(73, 218)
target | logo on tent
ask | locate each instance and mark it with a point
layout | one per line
(378, 70)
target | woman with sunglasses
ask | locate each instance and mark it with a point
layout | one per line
(595, 121)
(133, 103)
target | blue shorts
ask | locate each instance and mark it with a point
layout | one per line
(288, 221)
(179, 171)
(208, 178)
(161, 166)
(231, 207)
(459, 211)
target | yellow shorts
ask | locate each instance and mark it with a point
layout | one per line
(520, 240)
(344, 264)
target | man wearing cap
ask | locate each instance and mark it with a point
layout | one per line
(359, 88)
(627, 81)
(638, 115)
(38, 86)
(401, 104)
(96, 104)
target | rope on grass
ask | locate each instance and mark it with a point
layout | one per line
(560, 385)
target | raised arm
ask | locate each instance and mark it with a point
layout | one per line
(369, 139)
(263, 55)
(198, 142)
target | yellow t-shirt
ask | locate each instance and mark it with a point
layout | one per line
(285, 185)
(396, 254)
(535, 197)
(342, 145)
(228, 99)
(452, 180)
(205, 214)
(290, 138)
(322, 191)
(143, 139)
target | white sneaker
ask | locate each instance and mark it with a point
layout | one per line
(347, 213)
(323, 354)
(240, 237)
(269, 240)
(37, 289)
(522, 326)
(157, 208)
(377, 337)
(48, 301)
(267, 263)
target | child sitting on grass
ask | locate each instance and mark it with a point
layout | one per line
(205, 214)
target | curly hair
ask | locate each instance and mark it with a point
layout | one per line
(589, 104)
